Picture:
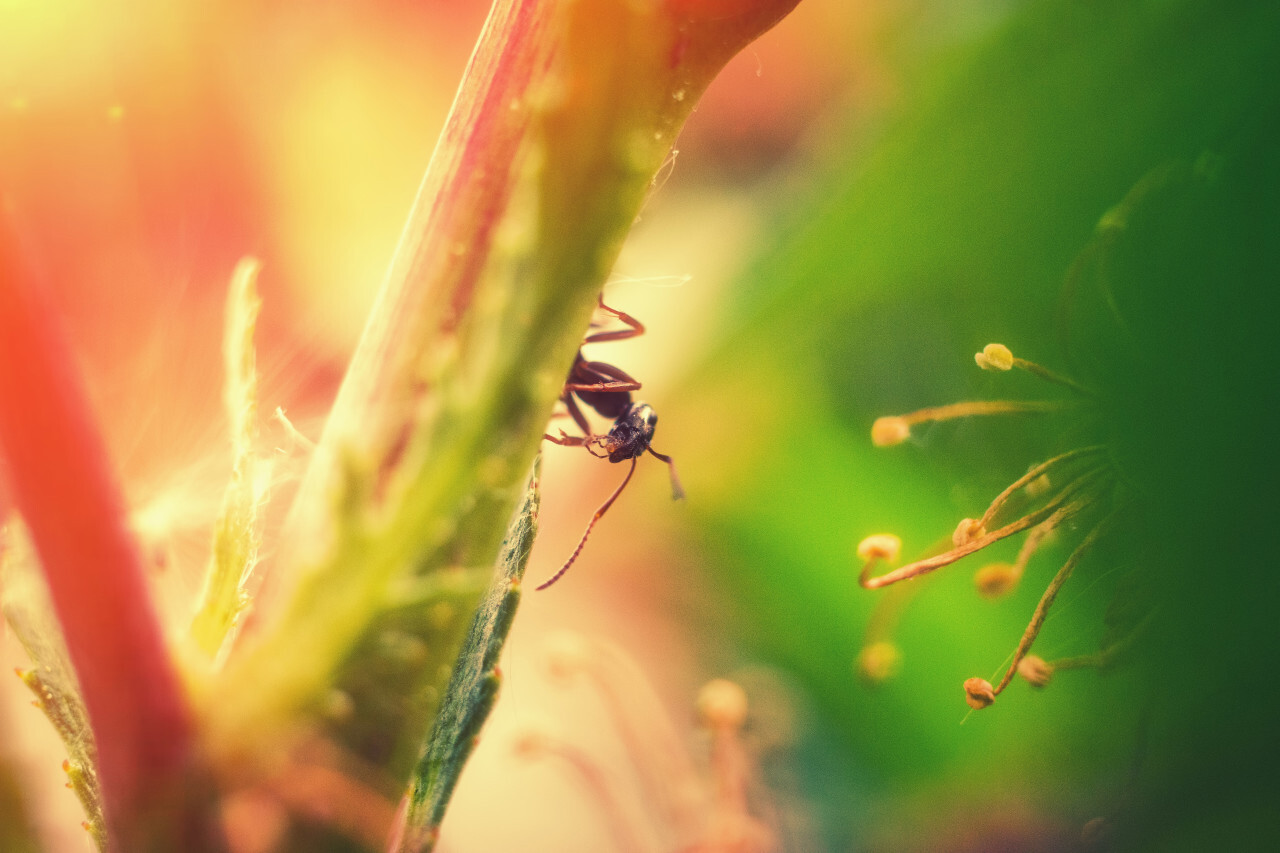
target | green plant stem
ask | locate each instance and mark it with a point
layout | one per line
(566, 112)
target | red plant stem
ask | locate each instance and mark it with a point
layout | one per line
(61, 481)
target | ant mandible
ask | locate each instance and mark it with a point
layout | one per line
(607, 390)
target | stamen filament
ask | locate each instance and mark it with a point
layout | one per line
(1046, 600)
(895, 429)
(1059, 507)
(999, 579)
(1104, 657)
(1033, 541)
(997, 357)
(597, 781)
(1097, 660)
(1032, 475)
(647, 735)
(972, 408)
(1048, 375)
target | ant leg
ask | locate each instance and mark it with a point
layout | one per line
(587, 441)
(604, 507)
(566, 440)
(635, 330)
(571, 406)
(677, 491)
(611, 378)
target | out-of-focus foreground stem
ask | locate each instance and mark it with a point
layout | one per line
(62, 483)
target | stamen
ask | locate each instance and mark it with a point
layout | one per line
(967, 530)
(534, 744)
(1046, 600)
(1100, 660)
(895, 429)
(886, 432)
(881, 546)
(878, 662)
(999, 579)
(1039, 486)
(994, 357)
(874, 549)
(1050, 376)
(880, 658)
(722, 705)
(999, 357)
(566, 655)
(1105, 657)
(1029, 479)
(996, 580)
(978, 693)
(651, 742)
(1061, 506)
(1036, 671)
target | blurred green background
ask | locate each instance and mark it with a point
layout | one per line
(950, 224)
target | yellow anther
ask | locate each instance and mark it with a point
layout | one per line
(967, 531)
(567, 654)
(979, 693)
(994, 357)
(996, 579)
(878, 662)
(881, 546)
(888, 431)
(531, 742)
(1036, 671)
(722, 704)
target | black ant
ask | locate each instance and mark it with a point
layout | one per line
(607, 390)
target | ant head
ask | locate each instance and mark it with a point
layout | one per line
(627, 440)
(631, 433)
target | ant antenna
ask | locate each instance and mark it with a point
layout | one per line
(677, 491)
(604, 507)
